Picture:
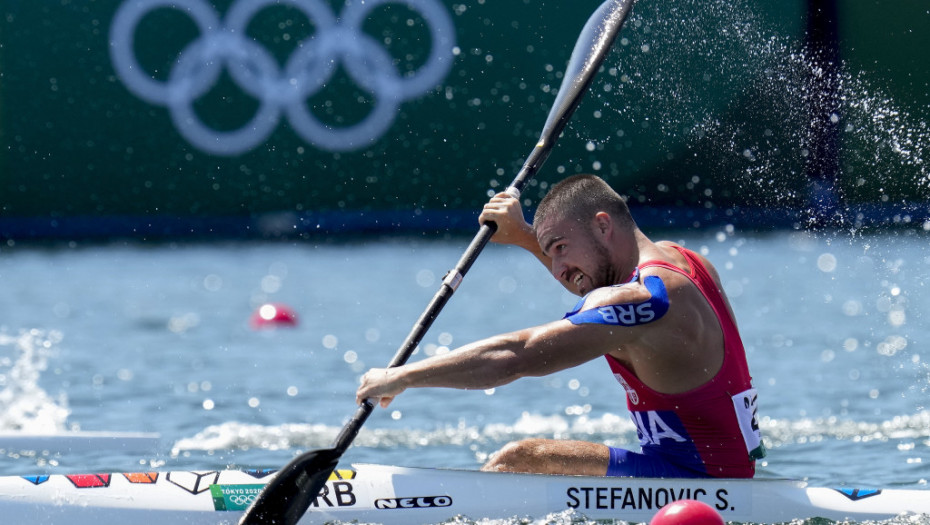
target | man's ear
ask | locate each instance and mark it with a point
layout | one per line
(602, 222)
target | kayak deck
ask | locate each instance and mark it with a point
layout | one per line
(401, 495)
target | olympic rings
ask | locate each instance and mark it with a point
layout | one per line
(242, 499)
(224, 43)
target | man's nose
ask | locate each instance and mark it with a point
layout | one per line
(558, 270)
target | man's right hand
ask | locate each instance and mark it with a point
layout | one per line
(505, 211)
(380, 385)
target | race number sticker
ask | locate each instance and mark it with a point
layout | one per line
(747, 415)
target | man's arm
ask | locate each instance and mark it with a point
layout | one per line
(499, 360)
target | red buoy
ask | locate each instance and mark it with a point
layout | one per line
(687, 512)
(272, 315)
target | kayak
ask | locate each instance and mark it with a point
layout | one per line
(401, 495)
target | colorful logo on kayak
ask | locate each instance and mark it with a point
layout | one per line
(342, 474)
(234, 497)
(194, 482)
(859, 494)
(90, 481)
(225, 44)
(427, 502)
(141, 478)
(37, 480)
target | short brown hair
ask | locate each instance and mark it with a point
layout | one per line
(579, 198)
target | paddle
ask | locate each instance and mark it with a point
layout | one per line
(293, 489)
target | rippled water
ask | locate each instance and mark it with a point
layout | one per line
(156, 339)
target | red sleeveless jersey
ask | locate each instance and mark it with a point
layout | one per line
(712, 428)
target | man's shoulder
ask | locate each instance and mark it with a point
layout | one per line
(683, 257)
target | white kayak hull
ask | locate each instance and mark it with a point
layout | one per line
(407, 496)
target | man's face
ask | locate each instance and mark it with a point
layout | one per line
(580, 260)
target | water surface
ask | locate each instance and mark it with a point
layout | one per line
(156, 338)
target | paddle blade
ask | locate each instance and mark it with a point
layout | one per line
(591, 48)
(593, 44)
(290, 493)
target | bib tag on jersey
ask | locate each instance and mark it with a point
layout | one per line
(747, 415)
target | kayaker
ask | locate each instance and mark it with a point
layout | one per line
(655, 310)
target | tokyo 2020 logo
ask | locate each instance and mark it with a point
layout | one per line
(224, 44)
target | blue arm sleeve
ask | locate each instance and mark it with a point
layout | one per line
(629, 314)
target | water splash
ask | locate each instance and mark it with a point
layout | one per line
(888, 146)
(714, 99)
(24, 405)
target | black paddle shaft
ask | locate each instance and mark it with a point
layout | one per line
(592, 46)
(287, 497)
